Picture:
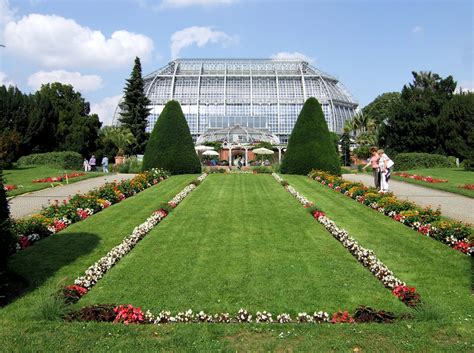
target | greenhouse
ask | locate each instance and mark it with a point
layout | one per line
(257, 94)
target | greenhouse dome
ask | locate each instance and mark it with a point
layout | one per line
(259, 94)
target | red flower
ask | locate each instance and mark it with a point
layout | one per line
(24, 242)
(317, 214)
(342, 317)
(129, 315)
(462, 246)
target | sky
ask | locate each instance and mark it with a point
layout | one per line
(371, 46)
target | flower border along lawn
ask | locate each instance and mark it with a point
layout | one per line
(441, 275)
(65, 256)
(456, 177)
(21, 330)
(239, 241)
(24, 176)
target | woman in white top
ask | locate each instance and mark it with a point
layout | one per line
(385, 165)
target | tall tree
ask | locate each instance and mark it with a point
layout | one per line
(310, 145)
(135, 109)
(413, 126)
(456, 126)
(382, 107)
(171, 146)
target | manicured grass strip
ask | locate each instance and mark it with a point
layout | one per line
(441, 275)
(24, 176)
(66, 255)
(241, 241)
(455, 177)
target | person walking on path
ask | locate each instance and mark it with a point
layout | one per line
(92, 163)
(105, 164)
(374, 163)
(385, 167)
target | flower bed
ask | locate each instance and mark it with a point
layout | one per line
(365, 256)
(467, 186)
(95, 272)
(427, 179)
(425, 221)
(60, 215)
(55, 179)
(128, 314)
(8, 187)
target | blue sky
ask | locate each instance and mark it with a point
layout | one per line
(370, 45)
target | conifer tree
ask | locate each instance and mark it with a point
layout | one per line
(310, 145)
(170, 145)
(135, 108)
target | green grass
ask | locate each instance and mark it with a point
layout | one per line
(248, 245)
(440, 274)
(68, 254)
(23, 178)
(455, 177)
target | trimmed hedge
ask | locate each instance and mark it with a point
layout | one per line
(310, 145)
(66, 159)
(407, 161)
(7, 241)
(170, 145)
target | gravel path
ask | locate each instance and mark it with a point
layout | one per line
(452, 205)
(27, 204)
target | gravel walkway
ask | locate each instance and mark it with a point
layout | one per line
(27, 204)
(452, 205)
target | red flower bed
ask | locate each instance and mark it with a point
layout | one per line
(467, 186)
(129, 315)
(55, 179)
(8, 187)
(342, 317)
(407, 295)
(428, 179)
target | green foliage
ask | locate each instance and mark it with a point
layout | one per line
(406, 161)
(135, 109)
(131, 165)
(6, 237)
(346, 151)
(171, 146)
(66, 159)
(310, 145)
(120, 136)
(215, 144)
(382, 107)
(362, 152)
(262, 170)
(413, 127)
(456, 126)
(263, 144)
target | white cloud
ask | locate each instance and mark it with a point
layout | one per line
(4, 81)
(106, 109)
(284, 55)
(417, 29)
(199, 36)
(189, 3)
(83, 83)
(465, 86)
(55, 41)
(7, 14)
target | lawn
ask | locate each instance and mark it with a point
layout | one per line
(242, 240)
(23, 177)
(249, 246)
(455, 177)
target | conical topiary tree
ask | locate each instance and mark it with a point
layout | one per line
(310, 145)
(170, 145)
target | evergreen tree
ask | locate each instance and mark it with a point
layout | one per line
(413, 126)
(456, 126)
(6, 237)
(170, 145)
(310, 145)
(135, 108)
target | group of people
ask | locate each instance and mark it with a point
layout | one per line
(90, 165)
(382, 167)
(239, 162)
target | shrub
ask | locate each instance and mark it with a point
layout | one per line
(407, 161)
(131, 165)
(7, 240)
(262, 170)
(66, 159)
(310, 145)
(170, 145)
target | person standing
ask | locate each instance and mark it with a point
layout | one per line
(87, 167)
(374, 163)
(385, 167)
(92, 163)
(105, 164)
